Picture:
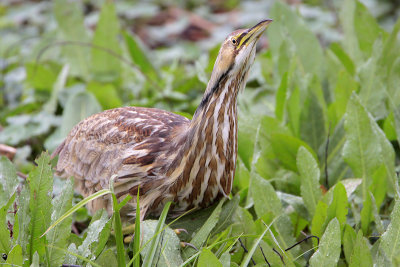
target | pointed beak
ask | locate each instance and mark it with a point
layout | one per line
(255, 32)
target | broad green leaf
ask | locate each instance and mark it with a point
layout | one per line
(264, 197)
(87, 248)
(396, 117)
(285, 60)
(40, 182)
(329, 248)
(5, 240)
(318, 221)
(8, 179)
(139, 57)
(226, 216)
(107, 258)
(247, 132)
(71, 256)
(388, 158)
(390, 240)
(309, 173)
(207, 258)
(35, 260)
(362, 145)
(14, 258)
(266, 165)
(338, 206)
(292, 27)
(193, 221)
(41, 76)
(3, 196)
(244, 224)
(389, 127)
(58, 85)
(366, 27)
(372, 85)
(361, 255)
(202, 234)
(294, 201)
(378, 186)
(350, 41)
(390, 50)
(24, 127)
(167, 245)
(351, 185)
(337, 167)
(285, 148)
(344, 87)
(281, 97)
(349, 240)
(106, 94)
(104, 236)
(59, 235)
(225, 259)
(70, 23)
(312, 122)
(78, 107)
(343, 57)
(24, 219)
(104, 65)
(377, 217)
(294, 108)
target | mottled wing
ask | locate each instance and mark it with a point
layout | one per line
(124, 141)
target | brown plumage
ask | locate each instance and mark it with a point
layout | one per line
(170, 158)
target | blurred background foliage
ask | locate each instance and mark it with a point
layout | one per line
(322, 102)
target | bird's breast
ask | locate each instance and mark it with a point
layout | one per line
(207, 167)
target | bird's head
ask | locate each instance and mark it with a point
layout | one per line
(237, 53)
(233, 62)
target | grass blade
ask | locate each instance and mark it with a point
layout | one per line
(148, 260)
(136, 244)
(119, 238)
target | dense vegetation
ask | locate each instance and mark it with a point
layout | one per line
(319, 132)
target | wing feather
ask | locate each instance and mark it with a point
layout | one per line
(124, 141)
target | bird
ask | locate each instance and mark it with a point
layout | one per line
(160, 155)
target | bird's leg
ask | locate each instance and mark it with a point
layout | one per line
(178, 231)
(129, 229)
(128, 239)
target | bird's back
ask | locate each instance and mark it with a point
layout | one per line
(127, 142)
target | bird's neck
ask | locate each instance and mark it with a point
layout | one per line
(204, 167)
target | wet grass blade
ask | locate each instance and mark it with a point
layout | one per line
(119, 238)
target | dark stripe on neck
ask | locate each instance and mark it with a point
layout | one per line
(220, 83)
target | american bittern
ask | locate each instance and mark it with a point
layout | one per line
(167, 156)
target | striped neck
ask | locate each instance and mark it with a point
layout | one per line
(204, 166)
